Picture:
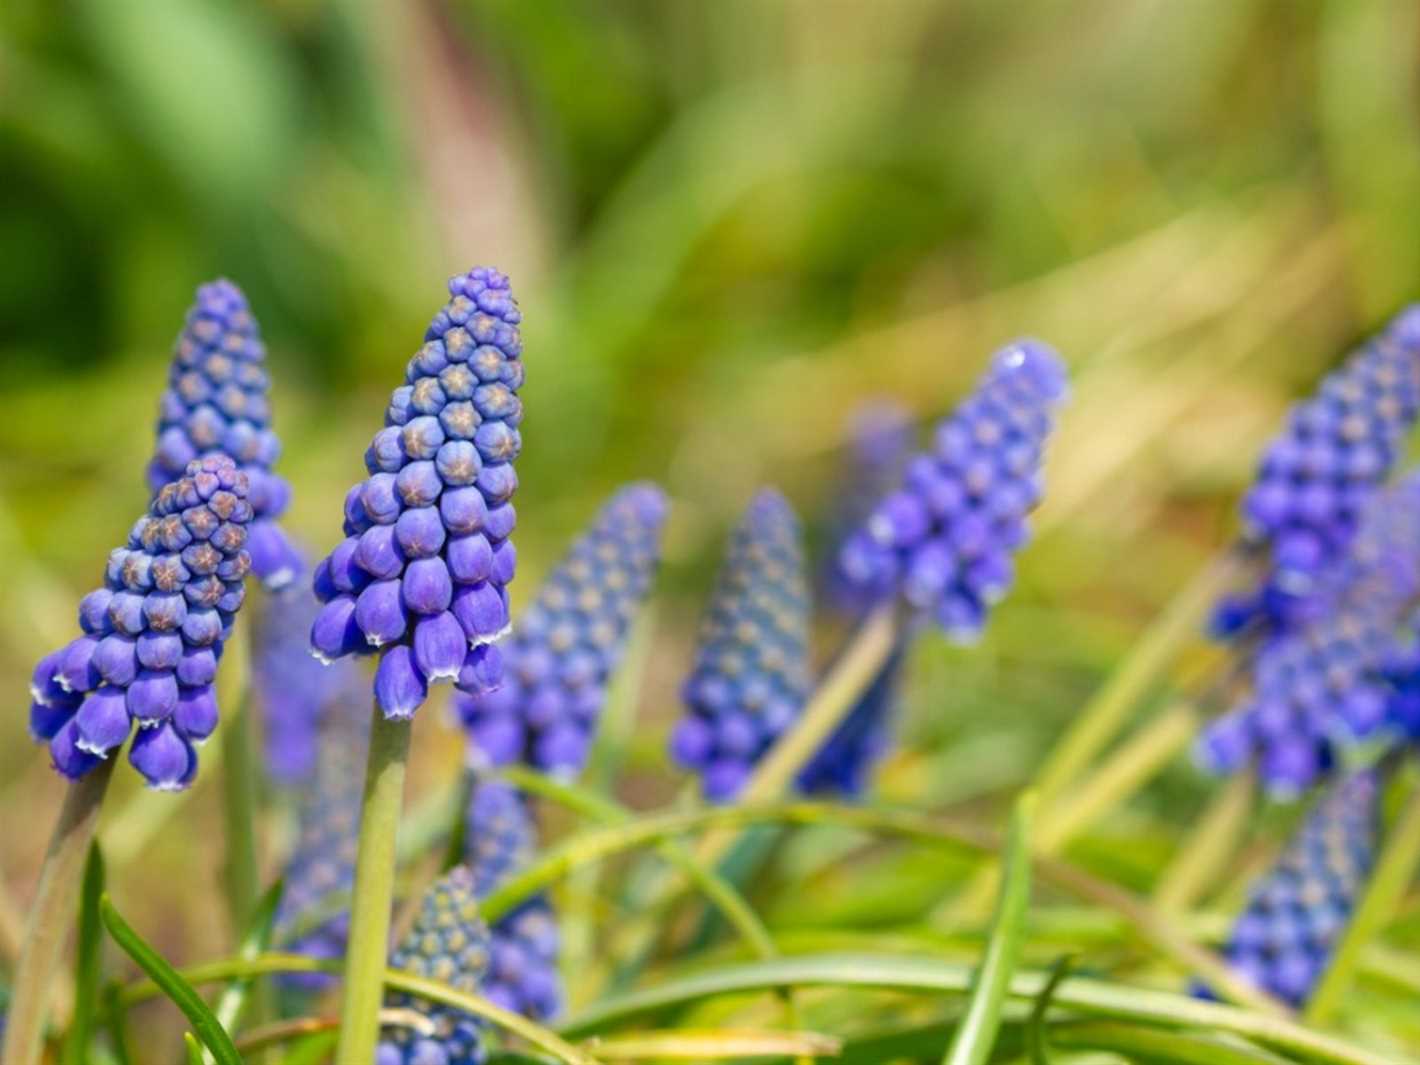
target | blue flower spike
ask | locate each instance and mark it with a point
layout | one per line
(152, 635)
(566, 647)
(751, 674)
(217, 402)
(421, 577)
(943, 542)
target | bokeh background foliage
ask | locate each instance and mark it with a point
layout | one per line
(728, 223)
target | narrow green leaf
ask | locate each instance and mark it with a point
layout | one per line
(117, 1022)
(255, 941)
(1035, 1029)
(976, 1034)
(194, 1049)
(702, 1045)
(1155, 1047)
(313, 1050)
(213, 1035)
(88, 961)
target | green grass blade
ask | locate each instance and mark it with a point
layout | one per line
(976, 1034)
(709, 1045)
(88, 961)
(1035, 1028)
(204, 1021)
(1154, 1047)
(194, 1049)
(257, 940)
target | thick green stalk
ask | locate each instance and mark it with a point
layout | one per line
(240, 879)
(1391, 877)
(363, 992)
(52, 914)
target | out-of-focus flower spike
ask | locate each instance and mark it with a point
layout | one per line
(1322, 685)
(1297, 911)
(565, 648)
(846, 760)
(152, 634)
(943, 541)
(217, 403)
(448, 943)
(439, 492)
(500, 838)
(751, 672)
(1316, 476)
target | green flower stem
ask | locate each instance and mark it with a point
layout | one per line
(1392, 875)
(52, 913)
(1210, 844)
(1100, 720)
(240, 876)
(362, 992)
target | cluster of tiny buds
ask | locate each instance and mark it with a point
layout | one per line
(422, 573)
(152, 635)
(448, 943)
(751, 674)
(1316, 477)
(944, 540)
(216, 403)
(564, 649)
(1295, 913)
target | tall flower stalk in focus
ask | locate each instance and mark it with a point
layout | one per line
(421, 579)
(148, 655)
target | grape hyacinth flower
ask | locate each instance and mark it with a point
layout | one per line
(1298, 910)
(565, 648)
(881, 442)
(944, 540)
(1321, 686)
(846, 759)
(1316, 476)
(500, 838)
(1401, 675)
(751, 673)
(323, 862)
(422, 574)
(294, 690)
(152, 635)
(216, 402)
(448, 943)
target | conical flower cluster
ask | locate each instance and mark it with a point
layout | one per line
(152, 635)
(500, 839)
(1322, 685)
(322, 863)
(448, 943)
(565, 648)
(944, 540)
(1317, 476)
(295, 690)
(1296, 913)
(216, 402)
(423, 571)
(751, 674)
(881, 439)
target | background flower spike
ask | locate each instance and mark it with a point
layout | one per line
(152, 634)
(217, 401)
(438, 495)
(751, 673)
(566, 646)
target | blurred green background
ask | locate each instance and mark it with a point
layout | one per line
(728, 224)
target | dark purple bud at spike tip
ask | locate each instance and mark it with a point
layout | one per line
(943, 539)
(751, 674)
(426, 581)
(216, 404)
(1316, 477)
(163, 644)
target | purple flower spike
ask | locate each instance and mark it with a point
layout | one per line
(751, 674)
(153, 634)
(1316, 476)
(943, 541)
(1299, 908)
(566, 646)
(1324, 685)
(426, 529)
(216, 403)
